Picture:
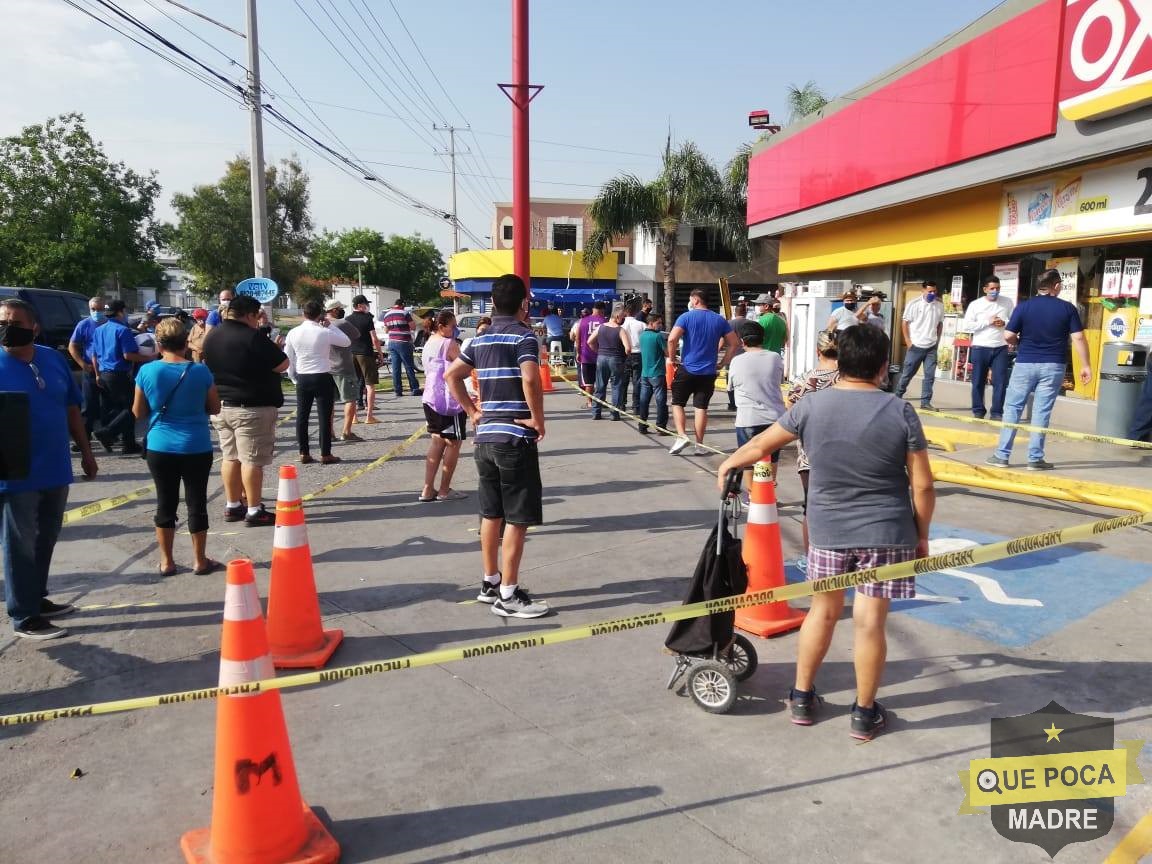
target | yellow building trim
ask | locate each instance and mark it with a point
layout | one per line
(545, 264)
(1111, 102)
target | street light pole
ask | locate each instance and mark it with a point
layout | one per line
(260, 261)
(451, 130)
(360, 260)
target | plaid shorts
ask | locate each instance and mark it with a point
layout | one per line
(832, 562)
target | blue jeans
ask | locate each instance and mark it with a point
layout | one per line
(1043, 379)
(912, 361)
(632, 376)
(92, 403)
(30, 522)
(401, 355)
(982, 360)
(1142, 419)
(610, 369)
(657, 387)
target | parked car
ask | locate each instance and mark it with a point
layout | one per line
(467, 324)
(59, 312)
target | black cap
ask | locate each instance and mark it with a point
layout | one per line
(748, 327)
(117, 306)
(360, 298)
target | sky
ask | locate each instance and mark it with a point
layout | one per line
(618, 75)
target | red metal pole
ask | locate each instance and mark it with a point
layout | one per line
(521, 209)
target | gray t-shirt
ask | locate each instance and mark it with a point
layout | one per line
(342, 362)
(755, 378)
(858, 442)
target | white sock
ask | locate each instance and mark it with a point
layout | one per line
(492, 578)
(232, 504)
(506, 591)
(252, 511)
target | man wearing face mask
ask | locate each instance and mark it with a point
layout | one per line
(114, 350)
(80, 347)
(848, 315)
(985, 319)
(217, 315)
(922, 323)
(32, 508)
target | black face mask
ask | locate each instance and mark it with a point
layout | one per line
(15, 336)
(851, 307)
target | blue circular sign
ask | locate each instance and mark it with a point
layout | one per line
(263, 290)
(1117, 326)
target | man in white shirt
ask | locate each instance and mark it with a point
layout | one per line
(633, 326)
(922, 322)
(848, 314)
(309, 349)
(985, 319)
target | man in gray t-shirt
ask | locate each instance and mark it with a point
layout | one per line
(344, 369)
(755, 377)
(870, 504)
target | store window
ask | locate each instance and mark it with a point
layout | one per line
(707, 246)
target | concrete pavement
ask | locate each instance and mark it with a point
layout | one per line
(573, 752)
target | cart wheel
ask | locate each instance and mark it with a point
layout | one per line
(712, 686)
(742, 658)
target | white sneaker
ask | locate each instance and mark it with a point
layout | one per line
(678, 445)
(519, 605)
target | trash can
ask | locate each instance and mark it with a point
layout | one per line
(1123, 368)
(889, 384)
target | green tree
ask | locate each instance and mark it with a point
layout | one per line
(689, 190)
(804, 100)
(69, 216)
(411, 265)
(214, 235)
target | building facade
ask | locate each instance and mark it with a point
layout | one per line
(1022, 142)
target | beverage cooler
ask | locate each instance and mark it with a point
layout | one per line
(807, 317)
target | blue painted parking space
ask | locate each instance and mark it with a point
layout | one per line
(1016, 601)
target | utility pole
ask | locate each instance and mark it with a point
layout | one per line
(260, 259)
(451, 130)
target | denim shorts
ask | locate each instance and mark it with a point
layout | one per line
(744, 434)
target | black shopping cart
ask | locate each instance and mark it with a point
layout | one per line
(710, 656)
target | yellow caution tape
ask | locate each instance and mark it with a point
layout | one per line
(360, 472)
(1058, 433)
(962, 558)
(105, 504)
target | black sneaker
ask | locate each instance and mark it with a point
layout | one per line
(866, 722)
(803, 706)
(40, 629)
(260, 519)
(519, 605)
(489, 591)
(235, 514)
(1040, 465)
(48, 609)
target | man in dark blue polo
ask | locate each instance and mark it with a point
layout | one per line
(80, 347)
(509, 423)
(114, 350)
(32, 507)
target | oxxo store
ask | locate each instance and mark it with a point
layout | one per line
(1022, 142)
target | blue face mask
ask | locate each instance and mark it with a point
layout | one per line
(98, 316)
(993, 294)
(929, 296)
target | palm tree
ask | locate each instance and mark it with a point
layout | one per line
(689, 190)
(805, 100)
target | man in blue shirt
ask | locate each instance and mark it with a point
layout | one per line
(80, 347)
(217, 314)
(702, 331)
(114, 350)
(1040, 328)
(32, 508)
(509, 422)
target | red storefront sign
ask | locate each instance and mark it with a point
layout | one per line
(1106, 65)
(995, 91)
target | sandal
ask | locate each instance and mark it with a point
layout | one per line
(452, 495)
(210, 566)
(166, 572)
(427, 500)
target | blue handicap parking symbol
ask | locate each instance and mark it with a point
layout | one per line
(1016, 601)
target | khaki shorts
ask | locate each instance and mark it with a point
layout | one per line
(369, 370)
(247, 435)
(347, 387)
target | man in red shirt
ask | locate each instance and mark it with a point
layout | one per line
(399, 323)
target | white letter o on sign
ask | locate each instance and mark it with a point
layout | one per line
(1089, 71)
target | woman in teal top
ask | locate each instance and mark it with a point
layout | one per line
(177, 396)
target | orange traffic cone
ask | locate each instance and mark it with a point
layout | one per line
(295, 633)
(546, 376)
(765, 560)
(258, 816)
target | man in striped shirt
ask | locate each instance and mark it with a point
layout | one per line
(398, 322)
(509, 424)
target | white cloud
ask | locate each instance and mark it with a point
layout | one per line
(51, 44)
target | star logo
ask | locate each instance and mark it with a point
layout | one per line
(1053, 733)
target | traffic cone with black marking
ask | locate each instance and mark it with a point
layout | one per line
(295, 632)
(765, 560)
(546, 374)
(258, 816)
